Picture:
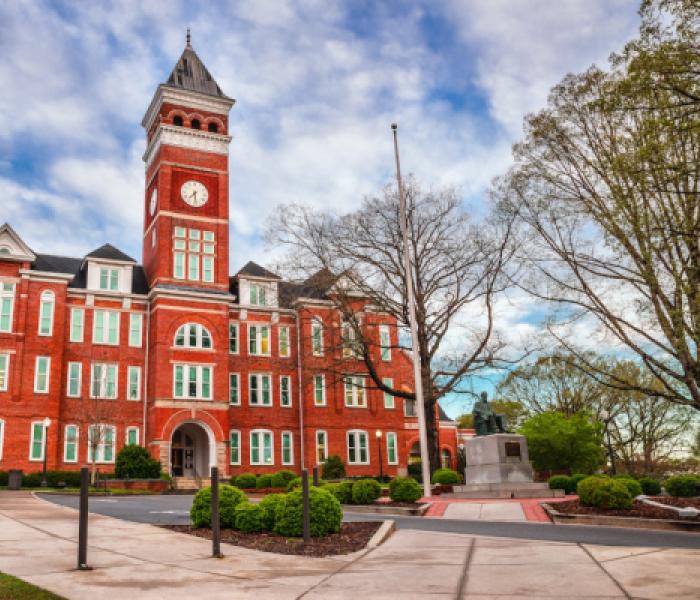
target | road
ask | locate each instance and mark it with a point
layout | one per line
(174, 510)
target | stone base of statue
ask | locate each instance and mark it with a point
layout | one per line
(498, 466)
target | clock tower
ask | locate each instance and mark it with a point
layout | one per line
(185, 242)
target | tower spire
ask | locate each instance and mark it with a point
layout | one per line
(188, 38)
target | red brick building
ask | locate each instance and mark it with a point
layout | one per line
(200, 367)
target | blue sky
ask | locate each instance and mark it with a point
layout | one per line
(317, 83)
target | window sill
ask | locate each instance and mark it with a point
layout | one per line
(259, 405)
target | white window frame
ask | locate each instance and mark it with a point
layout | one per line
(316, 325)
(99, 458)
(129, 370)
(358, 393)
(75, 441)
(32, 440)
(5, 371)
(392, 435)
(47, 301)
(325, 445)
(79, 379)
(257, 294)
(288, 379)
(260, 378)
(199, 381)
(258, 340)
(73, 312)
(111, 275)
(201, 333)
(261, 447)
(237, 432)
(290, 436)
(385, 348)
(135, 330)
(323, 389)
(389, 401)
(126, 435)
(288, 353)
(237, 377)
(102, 393)
(45, 389)
(355, 434)
(7, 294)
(106, 328)
(348, 341)
(237, 328)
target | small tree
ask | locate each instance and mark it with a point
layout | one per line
(558, 443)
(134, 462)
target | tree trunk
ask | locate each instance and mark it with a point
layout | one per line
(431, 422)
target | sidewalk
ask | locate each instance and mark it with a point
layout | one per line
(130, 560)
(502, 509)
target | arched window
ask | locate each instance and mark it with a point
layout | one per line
(177, 120)
(196, 124)
(46, 308)
(193, 335)
(213, 127)
(4, 250)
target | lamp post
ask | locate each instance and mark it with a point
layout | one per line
(46, 424)
(605, 416)
(378, 434)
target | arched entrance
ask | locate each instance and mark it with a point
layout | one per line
(192, 451)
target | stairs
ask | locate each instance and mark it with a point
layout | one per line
(504, 490)
(187, 484)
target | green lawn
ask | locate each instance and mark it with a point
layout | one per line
(12, 588)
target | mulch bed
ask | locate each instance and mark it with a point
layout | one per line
(638, 510)
(351, 538)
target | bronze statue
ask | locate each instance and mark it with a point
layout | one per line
(486, 421)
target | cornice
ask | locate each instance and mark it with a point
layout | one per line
(182, 137)
(165, 93)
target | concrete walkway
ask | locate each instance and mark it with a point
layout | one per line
(133, 560)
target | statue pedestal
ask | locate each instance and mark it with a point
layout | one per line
(497, 458)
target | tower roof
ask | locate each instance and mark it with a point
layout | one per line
(191, 74)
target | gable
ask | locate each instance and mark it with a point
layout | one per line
(12, 247)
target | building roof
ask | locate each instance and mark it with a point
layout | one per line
(253, 269)
(109, 252)
(191, 74)
(443, 414)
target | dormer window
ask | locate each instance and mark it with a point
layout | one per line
(196, 124)
(258, 294)
(193, 335)
(109, 279)
(213, 128)
(177, 121)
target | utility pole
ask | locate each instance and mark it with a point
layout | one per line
(417, 371)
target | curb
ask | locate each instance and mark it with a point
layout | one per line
(632, 522)
(382, 534)
(400, 511)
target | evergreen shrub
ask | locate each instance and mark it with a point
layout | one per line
(605, 493)
(135, 462)
(245, 481)
(633, 486)
(268, 505)
(404, 489)
(249, 517)
(684, 486)
(561, 482)
(333, 468)
(650, 486)
(229, 498)
(446, 477)
(282, 478)
(365, 491)
(263, 481)
(326, 515)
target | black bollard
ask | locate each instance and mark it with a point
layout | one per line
(305, 520)
(316, 481)
(83, 520)
(215, 525)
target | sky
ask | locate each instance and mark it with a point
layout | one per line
(317, 84)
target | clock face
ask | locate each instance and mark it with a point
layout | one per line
(154, 201)
(194, 193)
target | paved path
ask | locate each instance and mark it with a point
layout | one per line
(140, 561)
(175, 510)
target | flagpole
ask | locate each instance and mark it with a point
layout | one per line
(417, 374)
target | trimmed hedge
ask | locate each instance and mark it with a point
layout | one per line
(650, 486)
(683, 486)
(135, 462)
(633, 486)
(342, 491)
(229, 498)
(263, 481)
(249, 517)
(605, 493)
(282, 478)
(575, 480)
(333, 468)
(245, 481)
(53, 479)
(446, 476)
(326, 515)
(404, 489)
(268, 505)
(561, 482)
(365, 491)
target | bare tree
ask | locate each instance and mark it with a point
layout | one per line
(457, 267)
(605, 189)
